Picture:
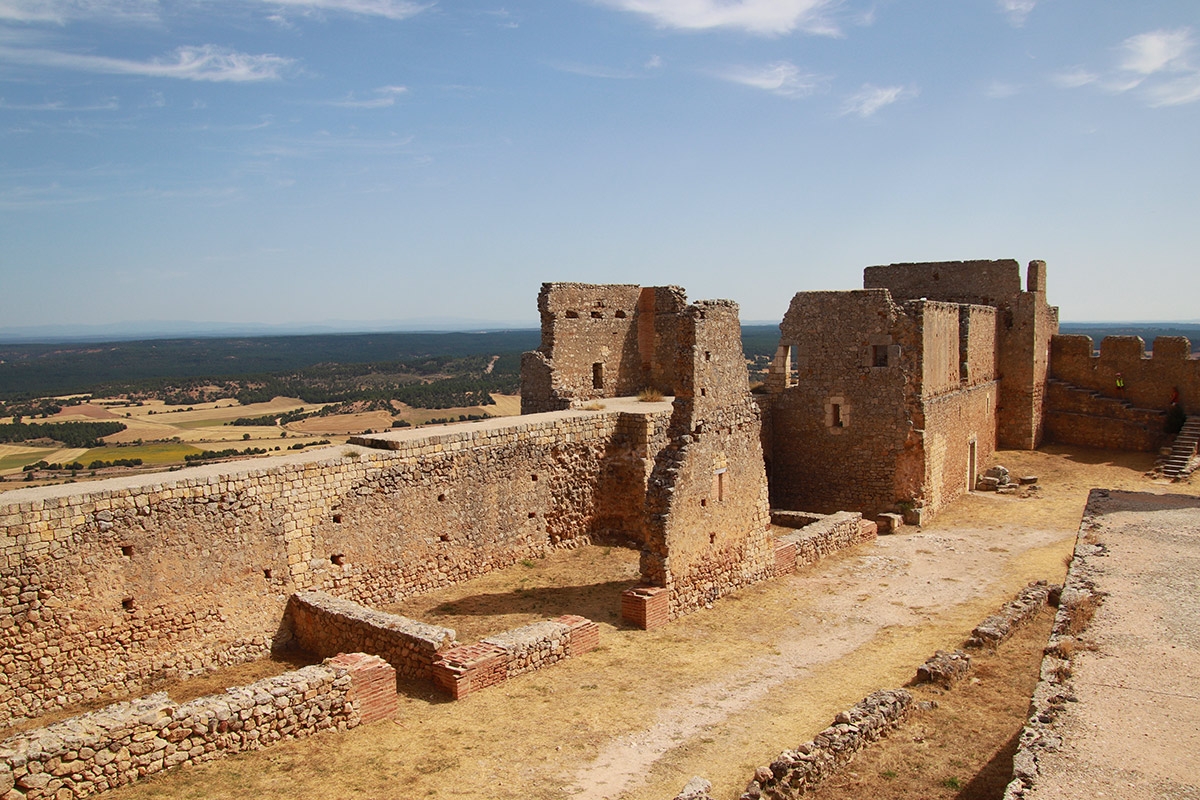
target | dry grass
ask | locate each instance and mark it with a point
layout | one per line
(932, 756)
(717, 692)
(650, 395)
(1080, 613)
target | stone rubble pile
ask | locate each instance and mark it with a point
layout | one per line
(945, 668)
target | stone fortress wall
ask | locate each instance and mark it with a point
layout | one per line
(1085, 405)
(897, 394)
(110, 587)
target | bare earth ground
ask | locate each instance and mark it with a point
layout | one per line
(717, 692)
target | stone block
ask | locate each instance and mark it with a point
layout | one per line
(889, 523)
(646, 607)
(945, 668)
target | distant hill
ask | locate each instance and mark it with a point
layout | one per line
(38, 370)
(1147, 330)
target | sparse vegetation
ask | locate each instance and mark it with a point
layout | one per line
(650, 395)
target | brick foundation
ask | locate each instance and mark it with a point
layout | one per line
(469, 668)
(647, 607)
(372, 685)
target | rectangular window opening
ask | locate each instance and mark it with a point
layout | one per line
(879, 355)
(793, 376)
(598, 375)
(837, 416)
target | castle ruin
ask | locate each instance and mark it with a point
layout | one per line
(892, 397)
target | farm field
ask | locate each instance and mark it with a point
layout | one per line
(162, 435)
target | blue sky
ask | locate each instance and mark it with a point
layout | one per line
(360, 160)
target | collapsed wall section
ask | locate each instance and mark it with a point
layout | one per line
(708, 518)
(111, 587)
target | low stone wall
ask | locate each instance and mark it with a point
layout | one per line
(1016, 612)
(462, 670)
(326, 625)
(828, 534)
(1079, 601)
(127, 741)
(798, 771)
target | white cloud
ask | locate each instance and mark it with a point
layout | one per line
(654, 62)
(782, 78)
(1176, 92)
(385, 97)
(110, 104)
(1148, 53)
(391, 9)
(998, 90)
(1157, 63)
(1073, 78)
(763, 17)
(204, 63)
(60, 12)
(1017, 10)
(870, 99)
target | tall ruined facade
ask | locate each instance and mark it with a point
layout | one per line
(706, 515)
(897, 394)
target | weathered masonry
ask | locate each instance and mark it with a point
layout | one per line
(896, 395)
(109, 587)
(706, 517)
(1085, 404)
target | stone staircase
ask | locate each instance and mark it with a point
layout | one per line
(1076, 415)
(1179, 462)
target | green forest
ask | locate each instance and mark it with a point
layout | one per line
(70, 434)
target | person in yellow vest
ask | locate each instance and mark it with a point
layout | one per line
(1120, 386)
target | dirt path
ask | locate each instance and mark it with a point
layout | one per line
(1133, 731)
(717, 692)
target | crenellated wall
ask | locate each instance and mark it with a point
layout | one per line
(1149, 377)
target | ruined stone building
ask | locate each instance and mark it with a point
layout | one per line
(895, 395)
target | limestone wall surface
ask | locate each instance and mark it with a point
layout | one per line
(707, 510)
(984, 283)
(837, 411)
(109, 587)
(127, 741)
(601, 340)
